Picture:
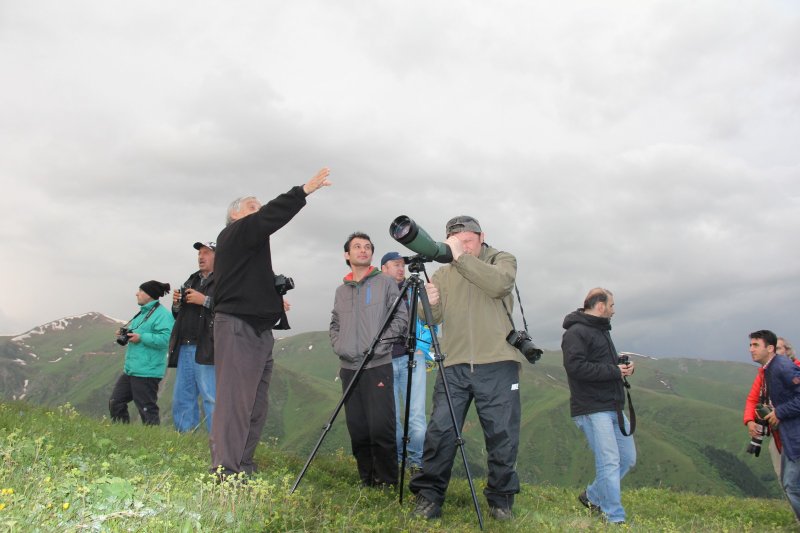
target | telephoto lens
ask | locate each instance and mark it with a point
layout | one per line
(755, 443)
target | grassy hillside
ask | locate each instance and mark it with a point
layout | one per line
(689, 433)
(62, 471)
(689, 436)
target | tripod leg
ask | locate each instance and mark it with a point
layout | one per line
(348, 390)
(411, 341)
(406, 439)
(327, 426)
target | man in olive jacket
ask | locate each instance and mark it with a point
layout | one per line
(467, 297)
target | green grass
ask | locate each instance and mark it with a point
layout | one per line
(61, 471)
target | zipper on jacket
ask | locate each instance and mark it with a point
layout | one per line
(356, 313)
(469, 330)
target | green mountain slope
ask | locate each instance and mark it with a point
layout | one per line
(689, 434)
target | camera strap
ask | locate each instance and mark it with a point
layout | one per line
(631, 412)
(150, 312)
(522, 311)
(519, 299)
(627, 390)
(763, 398)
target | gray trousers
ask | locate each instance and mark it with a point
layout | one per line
(243, 362)
(495, 389)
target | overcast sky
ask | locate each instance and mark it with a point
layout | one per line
(647, 147)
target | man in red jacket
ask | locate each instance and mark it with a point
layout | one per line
(753, 397)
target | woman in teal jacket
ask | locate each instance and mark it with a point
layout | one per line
(147, 337)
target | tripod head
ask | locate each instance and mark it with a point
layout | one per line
(416, 263)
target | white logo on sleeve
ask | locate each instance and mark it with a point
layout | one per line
(515, 386)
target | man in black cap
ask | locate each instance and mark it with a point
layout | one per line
(472, 299)
(191, 346)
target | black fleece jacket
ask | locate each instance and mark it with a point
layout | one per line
(243, 263)
(590, 359)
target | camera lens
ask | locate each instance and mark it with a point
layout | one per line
(400, 228)
(530, 351)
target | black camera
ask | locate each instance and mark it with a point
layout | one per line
(523, 342)
(283, 284)
(624, 360)
(762, 410)
(182, 295)
(122, 336)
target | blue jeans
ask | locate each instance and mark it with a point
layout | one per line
(614, 455)
(416, 411)
(191, 380)
(790, 479)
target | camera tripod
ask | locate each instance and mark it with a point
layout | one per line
(418, 292)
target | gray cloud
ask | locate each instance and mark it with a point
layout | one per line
(645, 147)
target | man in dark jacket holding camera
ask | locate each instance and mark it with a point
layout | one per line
(595, 376)
(247, 308)
(191, 346)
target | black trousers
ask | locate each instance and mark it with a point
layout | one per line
(495, 389)
(143, 392)
(371, 424)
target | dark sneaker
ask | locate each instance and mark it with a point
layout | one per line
(584, 499)
(427, 509)
(501, 514)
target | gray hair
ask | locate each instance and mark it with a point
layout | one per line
(789, 347)
(235, 206)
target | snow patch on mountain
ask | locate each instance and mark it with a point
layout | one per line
(62, 324)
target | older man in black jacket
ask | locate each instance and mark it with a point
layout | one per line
(597, 397)
(247, 309)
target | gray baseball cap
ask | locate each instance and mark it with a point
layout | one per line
(462, 223)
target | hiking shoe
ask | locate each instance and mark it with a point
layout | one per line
(501, 514)
(584, 499)
(427, 509)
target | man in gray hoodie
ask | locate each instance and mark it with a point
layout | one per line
(360, 308)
